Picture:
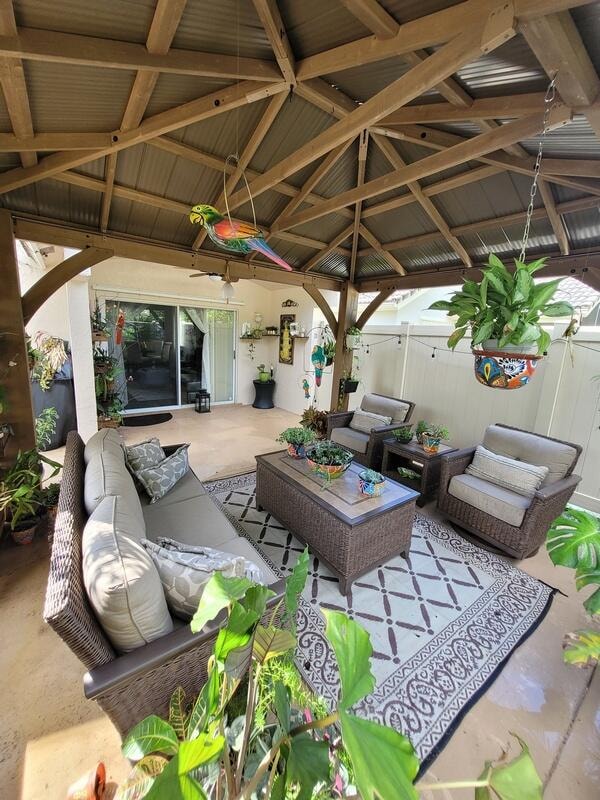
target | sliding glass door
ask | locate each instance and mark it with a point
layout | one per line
(169, 353)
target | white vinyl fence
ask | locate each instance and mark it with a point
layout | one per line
(562, 399)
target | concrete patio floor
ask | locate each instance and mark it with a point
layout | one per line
(51, 735)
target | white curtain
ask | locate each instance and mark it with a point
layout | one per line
(199, 318)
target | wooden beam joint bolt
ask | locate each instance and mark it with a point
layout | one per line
(500, 26)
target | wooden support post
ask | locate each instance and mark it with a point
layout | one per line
(18, 411)
(342, 361)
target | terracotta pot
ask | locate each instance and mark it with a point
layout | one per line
(503, 369)
(90, 786)
(296, 450)
(25, 534)
(431, 444)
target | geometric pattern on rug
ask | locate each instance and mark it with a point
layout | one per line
(442, 622)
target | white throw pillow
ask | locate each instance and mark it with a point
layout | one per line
(186, 569)
(365, 421)
(144, 454)
(509, 473)
(158, 480)
(122, 583)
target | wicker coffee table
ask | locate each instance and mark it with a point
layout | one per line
(350, 532)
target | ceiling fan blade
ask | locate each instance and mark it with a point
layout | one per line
(199, 275)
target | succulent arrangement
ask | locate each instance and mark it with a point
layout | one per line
(315, 421)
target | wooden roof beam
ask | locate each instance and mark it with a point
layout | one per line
(446, 159)
(274, 28)
(320, 301)
(363, 147)
(377, 301)
(14, 86)
(333, 244)
(32, 44)
(504, 107)
(378, 248)
(373, 16)
(419, 79)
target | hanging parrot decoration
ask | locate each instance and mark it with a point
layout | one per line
(306, 387)
(318, 361)
(235, 236)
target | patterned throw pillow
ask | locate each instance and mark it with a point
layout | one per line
(518, 476)
(365, 421)
(159, 479)
(185, 570)
(144, 454)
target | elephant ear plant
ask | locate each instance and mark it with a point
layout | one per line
(220, 747)
(505, 306)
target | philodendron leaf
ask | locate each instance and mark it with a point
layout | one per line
(455, 338)
(574, 539)
(441, 305)
(353, 653)
(177, 712)
(295, 583)
(586, 576)
(523, 286)
(140, 779)
(536, 265)
(227, 641)
(151, 735)
(384, 761)
(256, 598)
(542, 294)
(592, 604)
(241, 619)
(558, 309)
(282, 706)
(218, 593)
(307, 764)
(483, 332)
(205, 705)
(514, 780)
(238, 660)
(175, 782)
(271, 642)
(582, 648)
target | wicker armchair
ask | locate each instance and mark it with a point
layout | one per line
(368, 447)
(548, 502)
(131, 686)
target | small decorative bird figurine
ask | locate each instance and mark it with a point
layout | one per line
(235, 236)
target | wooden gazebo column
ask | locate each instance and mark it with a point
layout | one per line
(13, 348)
(342, 361)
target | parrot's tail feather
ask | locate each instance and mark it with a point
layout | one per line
(262, 247)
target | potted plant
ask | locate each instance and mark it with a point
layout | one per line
(315, 421)
(328, 459)
(49, 503)
(329, 351)
(353, 338)
(370, 482)
(49, 356)
(99, 326)
(503, 313)
(263, 375)
(349, 384)
(422, 426)
(45, 427)
(433, 436)
(21, 494)
(296, 440)
(404, 434)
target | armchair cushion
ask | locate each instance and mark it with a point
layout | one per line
(348, 437)
(365, 421)
(396, 410)
(508, 473)
(559, 457)
(494, 500)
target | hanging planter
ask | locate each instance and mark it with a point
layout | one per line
(353, 338)
(504, 370)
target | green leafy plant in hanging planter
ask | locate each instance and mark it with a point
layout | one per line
(505, 308)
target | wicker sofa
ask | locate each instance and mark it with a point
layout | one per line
(368, 447)
(508, 520)
(129, 686)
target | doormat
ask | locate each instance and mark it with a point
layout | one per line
(139, 420)
(442, 623)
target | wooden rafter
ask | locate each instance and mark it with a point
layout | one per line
(501, 107)
(425, 202)
(379, 249)
(268, 118)
(14, 87)
(333, 245)
(204, 107)
(363, 147)
(441, 64)
(373, 306)
(320, 301)
(373, 16)
(274, 28)
(67, 48)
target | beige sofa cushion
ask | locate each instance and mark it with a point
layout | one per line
(101, 441)
(501, 503)
(385, 406)
(365, 421)
(120, 578)
(106, 474)
(194, 521)
(518, 476)
(532, 449)
(348, 437)
(186, 488)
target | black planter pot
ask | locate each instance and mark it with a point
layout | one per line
(263, 394)
(349, 387)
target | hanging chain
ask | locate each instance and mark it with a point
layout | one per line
(548, 101)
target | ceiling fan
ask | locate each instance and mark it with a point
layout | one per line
(228, 291)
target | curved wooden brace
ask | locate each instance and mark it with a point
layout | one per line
(373, 306)
(37, 295)
(323, 305)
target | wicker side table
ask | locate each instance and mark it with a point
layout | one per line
(411, 455)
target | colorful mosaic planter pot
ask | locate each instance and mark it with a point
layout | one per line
(328, 471)
(431, 444)
(296, 450)
(502, 370)
(369, 487)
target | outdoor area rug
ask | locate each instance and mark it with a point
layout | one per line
(442, 623)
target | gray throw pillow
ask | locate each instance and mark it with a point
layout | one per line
(509, 473)
(145, 454)
(365, 421)
(185, 570)
(158, 480)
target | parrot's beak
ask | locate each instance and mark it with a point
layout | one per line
(196, 217)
